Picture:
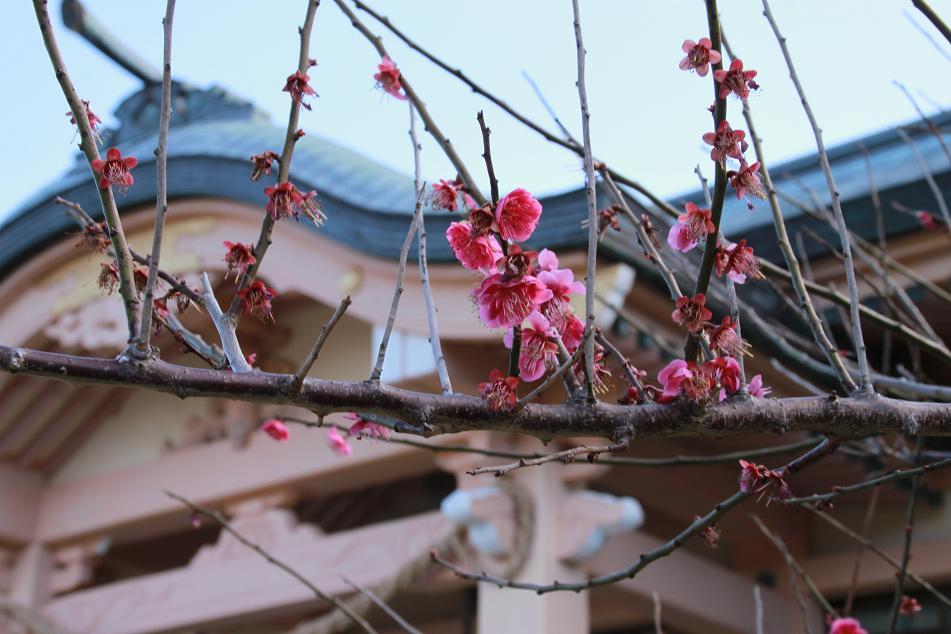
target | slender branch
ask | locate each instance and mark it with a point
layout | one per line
(796, 569)
(924, 33)
(621, 461)
(142, 349)
(380, 603)
(658, 628)
(662, 342)
(225, 328)
(933, 17)
(398, 291)
(626, 367)
(650, 250)
(692, 346)
(591, 198)
(210, 353)
(568, 456)
(865, 380)
(929, 177)
(645, 559)
(88, 147)
(319, 344)
(284, 170)
(898, 474)
(857, 567)
(758, 608)
(934, 129)
(434, 340)
(551, 111)
(906, 548)
(429, 124)
(884, 556)
(227, 527)
(794, 275)
(487, 156)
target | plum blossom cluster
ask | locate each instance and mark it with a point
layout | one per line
(388, 78)
(94, 121)
(108, 281)
(522, 291)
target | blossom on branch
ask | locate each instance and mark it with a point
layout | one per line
(691, 312)
(699, 56)
(746, 182)
(726, 142)
(537, 352)
(286, 200)
(735, 80)
(737, 261)
(298, 85)
(475, 252)
(108, 277)
(115, 170)
(239, 258)
(276, 430)
(757, 388)
(91, 117)
(725, 341)
(388, 78)
(256, 299)
(338, 443)
(261, 163)
(363, 428)
(679, 376)
(445, 195)
(95, 235)
(757, 479)
(846, 626)
(517, 215)
(505, 301)
(928, 222)
(499, 391)
(691, 227)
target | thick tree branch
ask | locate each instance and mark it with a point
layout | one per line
(436, 413)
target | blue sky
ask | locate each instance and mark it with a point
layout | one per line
(647, 116)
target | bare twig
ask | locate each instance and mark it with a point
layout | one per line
(434, 340)
(380, 603)
(758, 607)
(857, 567)
(898, 474)
(929, 177)
(934, 129)
(865, 380)
(662, 342)
(225, 328)
(319, 344)
(487, 156)
(568, 456)
(227, 527)
(935, 43)
(647, 558)
(89, 149)
(906, 548)
(794, 274)
(933, 17)
(884, 556)
(161, 186)
(658, 628)
(398, 291)
(796, 570)
(591, 198)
